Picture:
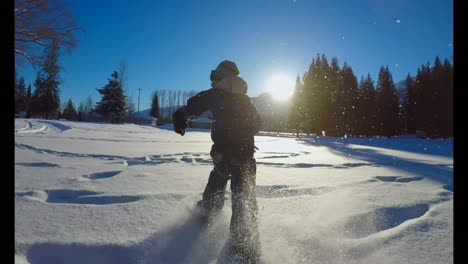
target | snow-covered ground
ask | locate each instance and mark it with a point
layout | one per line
(102, 193)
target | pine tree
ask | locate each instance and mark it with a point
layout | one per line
(112, 105)
(410, 104)
(325, 96)
(28, 102)
(69, 112)
(37, 104)
(438, 85)
(336, 82)
(20, 96)
(367, 106)
(154, 112)
(310, 96)
(387, 104)
(317, 96)
(296, 111)
(446, 100)
(423, 90)
(348, 101)
(46, 96)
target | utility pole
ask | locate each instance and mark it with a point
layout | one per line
(139, 89)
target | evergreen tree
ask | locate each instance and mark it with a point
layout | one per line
(348, 101)
(433, 89)
(20, 96)
(438, 85)
(336, 80)
(37, 104)
(46, 96)
(296, 111)
(309, 96)
(69, 112)
(112, 105)
(317, 96)
(410, 104)
(367, 107)
(325, 95)
(387, 104)
(154, 112)
(423, 90)
(446, 100)
(28, 102)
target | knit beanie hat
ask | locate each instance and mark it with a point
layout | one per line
(225, 68)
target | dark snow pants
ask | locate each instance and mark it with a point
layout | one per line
(236, 163)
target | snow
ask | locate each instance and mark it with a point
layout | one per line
(201, 120)
(143, 114)
(104, 193)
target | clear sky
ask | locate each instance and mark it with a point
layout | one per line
(174, 44)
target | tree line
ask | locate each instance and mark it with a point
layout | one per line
(330, 100)
(114, 106)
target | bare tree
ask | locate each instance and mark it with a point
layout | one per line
(187, 95)
(88, 109)
(62, 107)
(163, 102)
(131, 106)
(37, 24)
(171, 98)
(88, 104)
(81, 107)
(123, 74)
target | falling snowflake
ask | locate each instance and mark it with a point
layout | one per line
(398, 21)
(450, 45)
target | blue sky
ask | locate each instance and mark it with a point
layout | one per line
(174, 44)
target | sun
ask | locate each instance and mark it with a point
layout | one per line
(281, 86)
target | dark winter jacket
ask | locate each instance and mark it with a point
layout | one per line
(235, 118)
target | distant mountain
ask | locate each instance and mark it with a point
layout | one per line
(142, 113)
(273, 112)
(400, 87)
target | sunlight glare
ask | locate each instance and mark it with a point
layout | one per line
(281, 86)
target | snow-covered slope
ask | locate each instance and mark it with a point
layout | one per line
(102, 193)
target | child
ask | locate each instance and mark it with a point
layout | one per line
(235, 122)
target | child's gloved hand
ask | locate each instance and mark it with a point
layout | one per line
(180, 123)
(179, 130)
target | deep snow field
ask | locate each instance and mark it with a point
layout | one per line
(103, 193)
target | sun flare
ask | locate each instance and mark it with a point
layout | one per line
(281, 86)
